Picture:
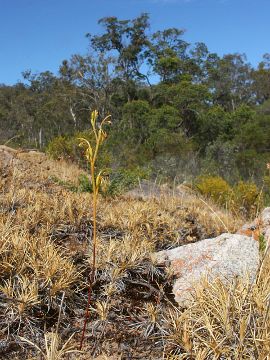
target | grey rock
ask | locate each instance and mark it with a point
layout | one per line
(225, 256)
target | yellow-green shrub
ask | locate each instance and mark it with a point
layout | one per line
(247, 196)
(266, 189)
(216, 188)
(244, 196)
(266, 180)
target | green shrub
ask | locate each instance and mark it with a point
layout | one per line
(117, 182)
(67, 147)
(59, 147)
(125, 179)
(65, 184)
(84, 184)
(216, 188)
(266, 189)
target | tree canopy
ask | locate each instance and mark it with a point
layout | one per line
(170, 101)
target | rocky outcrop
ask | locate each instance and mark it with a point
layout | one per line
(225, 256)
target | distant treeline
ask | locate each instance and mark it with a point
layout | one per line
(175, 106)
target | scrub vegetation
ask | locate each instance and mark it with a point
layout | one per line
(46, 258)
(80, 223)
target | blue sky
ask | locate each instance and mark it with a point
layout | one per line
(39, 34)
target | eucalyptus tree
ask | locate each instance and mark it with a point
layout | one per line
(229, 79)
(261, 80)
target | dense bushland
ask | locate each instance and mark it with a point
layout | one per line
(176, 108)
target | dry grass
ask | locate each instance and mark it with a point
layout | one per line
(54, 348)
(226, 321)
(45, 234)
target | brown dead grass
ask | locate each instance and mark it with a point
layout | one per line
(226, 321)
(44, 263)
